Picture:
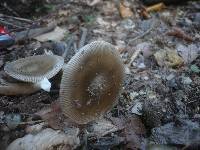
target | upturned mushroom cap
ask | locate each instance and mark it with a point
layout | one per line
(91, 82)
(34, 68)
(19, 88)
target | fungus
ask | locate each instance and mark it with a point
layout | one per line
(91, 82)
(19, 88)
(35, 69)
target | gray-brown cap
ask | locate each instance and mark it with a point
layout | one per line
(91, 82)
(34, 68)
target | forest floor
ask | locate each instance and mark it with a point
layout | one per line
(159, 106)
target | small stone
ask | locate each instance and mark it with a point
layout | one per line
(128, 24)
(146, 49)
(157, 76)
(127, 70)
(146, 78)
(170, 77)
(141, 65)
(137, 108)
(172, 83)
(186, 80)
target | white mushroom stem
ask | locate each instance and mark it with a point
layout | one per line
(44, 84)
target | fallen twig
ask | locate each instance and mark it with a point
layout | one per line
(17, 18)
(133, 57)
(30, 33)
(156, 7)
(177, 32)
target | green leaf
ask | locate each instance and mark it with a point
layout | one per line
(89, 18)
(195, 68)
(49, 7)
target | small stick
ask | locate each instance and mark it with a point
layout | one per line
(177, 32)
(17, 18)
(143, 34)
(133, 57)
(83, 37)
(31, 122)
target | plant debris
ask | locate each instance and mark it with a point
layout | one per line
(158, 104)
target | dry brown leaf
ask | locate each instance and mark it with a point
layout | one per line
(47, 139)
(133, 130)
(125, 12)
(169, 58)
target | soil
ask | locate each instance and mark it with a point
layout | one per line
(164, 100)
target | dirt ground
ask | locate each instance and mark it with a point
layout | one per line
(159, 104)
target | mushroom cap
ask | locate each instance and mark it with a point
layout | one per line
(91, 82)
(34, 68)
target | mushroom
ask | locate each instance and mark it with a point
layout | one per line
(91, 82)
(19, 88)
(35, 69)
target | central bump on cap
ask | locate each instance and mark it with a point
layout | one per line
(91, 82)
(34, 68)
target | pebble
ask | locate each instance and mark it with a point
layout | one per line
(146, 78)
(186, 80)
(170, 77)
(137, 108)
(141, 65)
(128, 24)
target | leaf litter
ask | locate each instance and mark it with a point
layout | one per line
(160, 94)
